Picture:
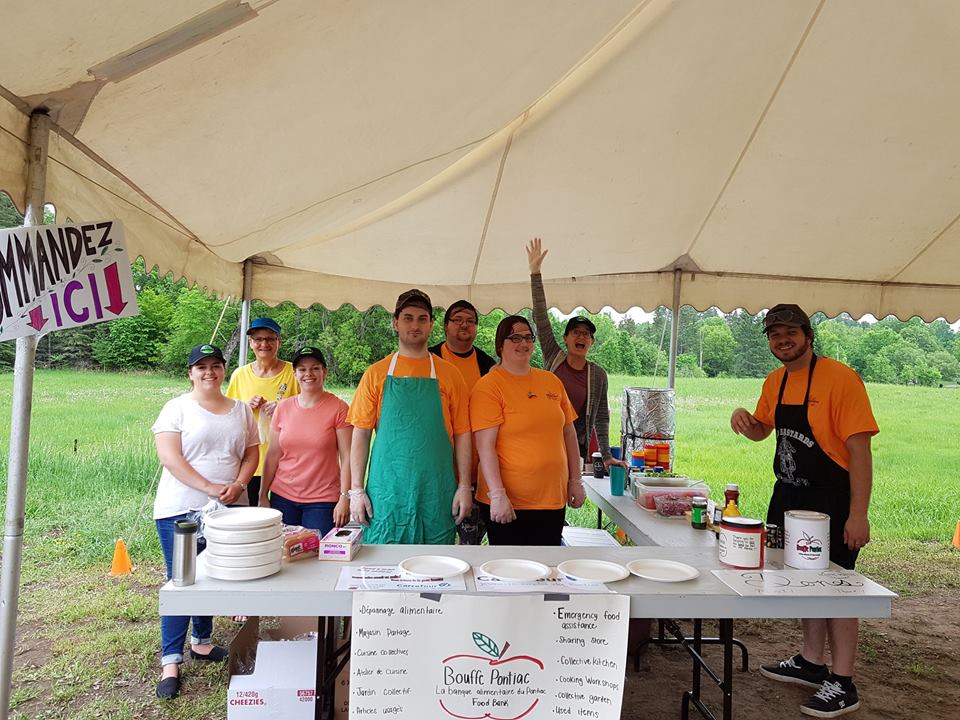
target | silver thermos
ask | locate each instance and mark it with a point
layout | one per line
(184, 553)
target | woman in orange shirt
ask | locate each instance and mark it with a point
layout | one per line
(523, 427)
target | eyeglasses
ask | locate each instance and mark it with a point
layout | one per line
(264, 340)
(581, 333)
(517, 339)
(463, 321)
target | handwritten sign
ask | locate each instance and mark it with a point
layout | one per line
(788, 581)
(496, 658)
(54, 277)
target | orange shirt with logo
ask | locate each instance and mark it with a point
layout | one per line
(838, 405)
(467, 366)
(454, 396)
(530, 412)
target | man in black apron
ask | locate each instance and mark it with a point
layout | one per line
(822, 462)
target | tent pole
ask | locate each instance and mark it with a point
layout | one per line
(20, 411)
(674, 328)
(245, 310)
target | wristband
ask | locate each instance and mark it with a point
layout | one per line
(345, 494)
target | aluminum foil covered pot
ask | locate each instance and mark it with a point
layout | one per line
(647, 418)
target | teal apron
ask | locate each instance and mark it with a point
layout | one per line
(411, 482)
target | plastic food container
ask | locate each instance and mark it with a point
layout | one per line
(647, 494)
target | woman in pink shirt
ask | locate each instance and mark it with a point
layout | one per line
(307, 469)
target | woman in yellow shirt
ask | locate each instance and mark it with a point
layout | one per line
(262, 384)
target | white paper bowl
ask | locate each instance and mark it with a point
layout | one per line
(249, 573)
(243, 518)
(242, 561)
(244, 549)
(234, 537)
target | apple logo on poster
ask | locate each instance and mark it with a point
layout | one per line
(493, 685)
(809, 547)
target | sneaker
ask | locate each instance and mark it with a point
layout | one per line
(831, 700)
(792, 670)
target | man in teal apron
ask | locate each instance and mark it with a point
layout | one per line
(419, 486)
(823, 462)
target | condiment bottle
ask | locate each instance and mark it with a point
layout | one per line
(698, 513)
(731, 498)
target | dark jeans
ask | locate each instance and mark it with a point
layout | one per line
(173, 628)
(313, 515)
(532, 527)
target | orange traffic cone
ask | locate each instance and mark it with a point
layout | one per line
(121, 564)
(956, 536)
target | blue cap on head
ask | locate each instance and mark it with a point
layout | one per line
(264, 323)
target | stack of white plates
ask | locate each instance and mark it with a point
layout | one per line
(243, 543)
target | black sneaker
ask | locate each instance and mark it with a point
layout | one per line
(792, 670)
(831, 700)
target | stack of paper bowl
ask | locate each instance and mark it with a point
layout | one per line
(243, 543)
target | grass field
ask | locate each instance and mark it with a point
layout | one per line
(93, 467)
(87, 643)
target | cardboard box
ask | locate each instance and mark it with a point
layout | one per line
(341, 543)
(282, 684)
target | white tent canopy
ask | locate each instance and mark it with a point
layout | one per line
(774, 151)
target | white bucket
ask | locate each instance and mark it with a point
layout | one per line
(806, 539)
(741, 543)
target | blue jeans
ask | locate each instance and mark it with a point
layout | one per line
(173, 628)
(313, 515)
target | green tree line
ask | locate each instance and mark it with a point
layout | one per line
(174, 317)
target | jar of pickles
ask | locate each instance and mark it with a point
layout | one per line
(698, 513)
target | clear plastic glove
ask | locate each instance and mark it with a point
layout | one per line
(501, 510)
(462, 503)
(576, 495)
(360, 508)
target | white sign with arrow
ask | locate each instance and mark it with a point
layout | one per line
(54, 277)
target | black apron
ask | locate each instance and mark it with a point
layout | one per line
(808, 478)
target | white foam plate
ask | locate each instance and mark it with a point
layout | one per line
(434, 566)
(662, 570)
(248, 573)
(243, 518)
(242, 561)
(593, 570)
(515, 570)
(244, 549)
(233, 537)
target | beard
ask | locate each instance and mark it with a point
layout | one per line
(790, 354)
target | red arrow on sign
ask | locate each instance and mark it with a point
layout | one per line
(116, 304)
(37, 320)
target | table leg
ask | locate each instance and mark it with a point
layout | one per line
(599, 519)
(329, 666)
(726, 637)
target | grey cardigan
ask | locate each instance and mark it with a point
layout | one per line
(598, 412)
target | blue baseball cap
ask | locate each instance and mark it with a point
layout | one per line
(264, 323)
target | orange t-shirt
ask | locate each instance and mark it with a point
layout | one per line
(838, 406)
(454, 396)
(467, 366)
(530, 447)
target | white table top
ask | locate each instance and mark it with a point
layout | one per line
(644, 527)
(306, 587)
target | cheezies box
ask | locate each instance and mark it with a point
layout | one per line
(341, 543)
